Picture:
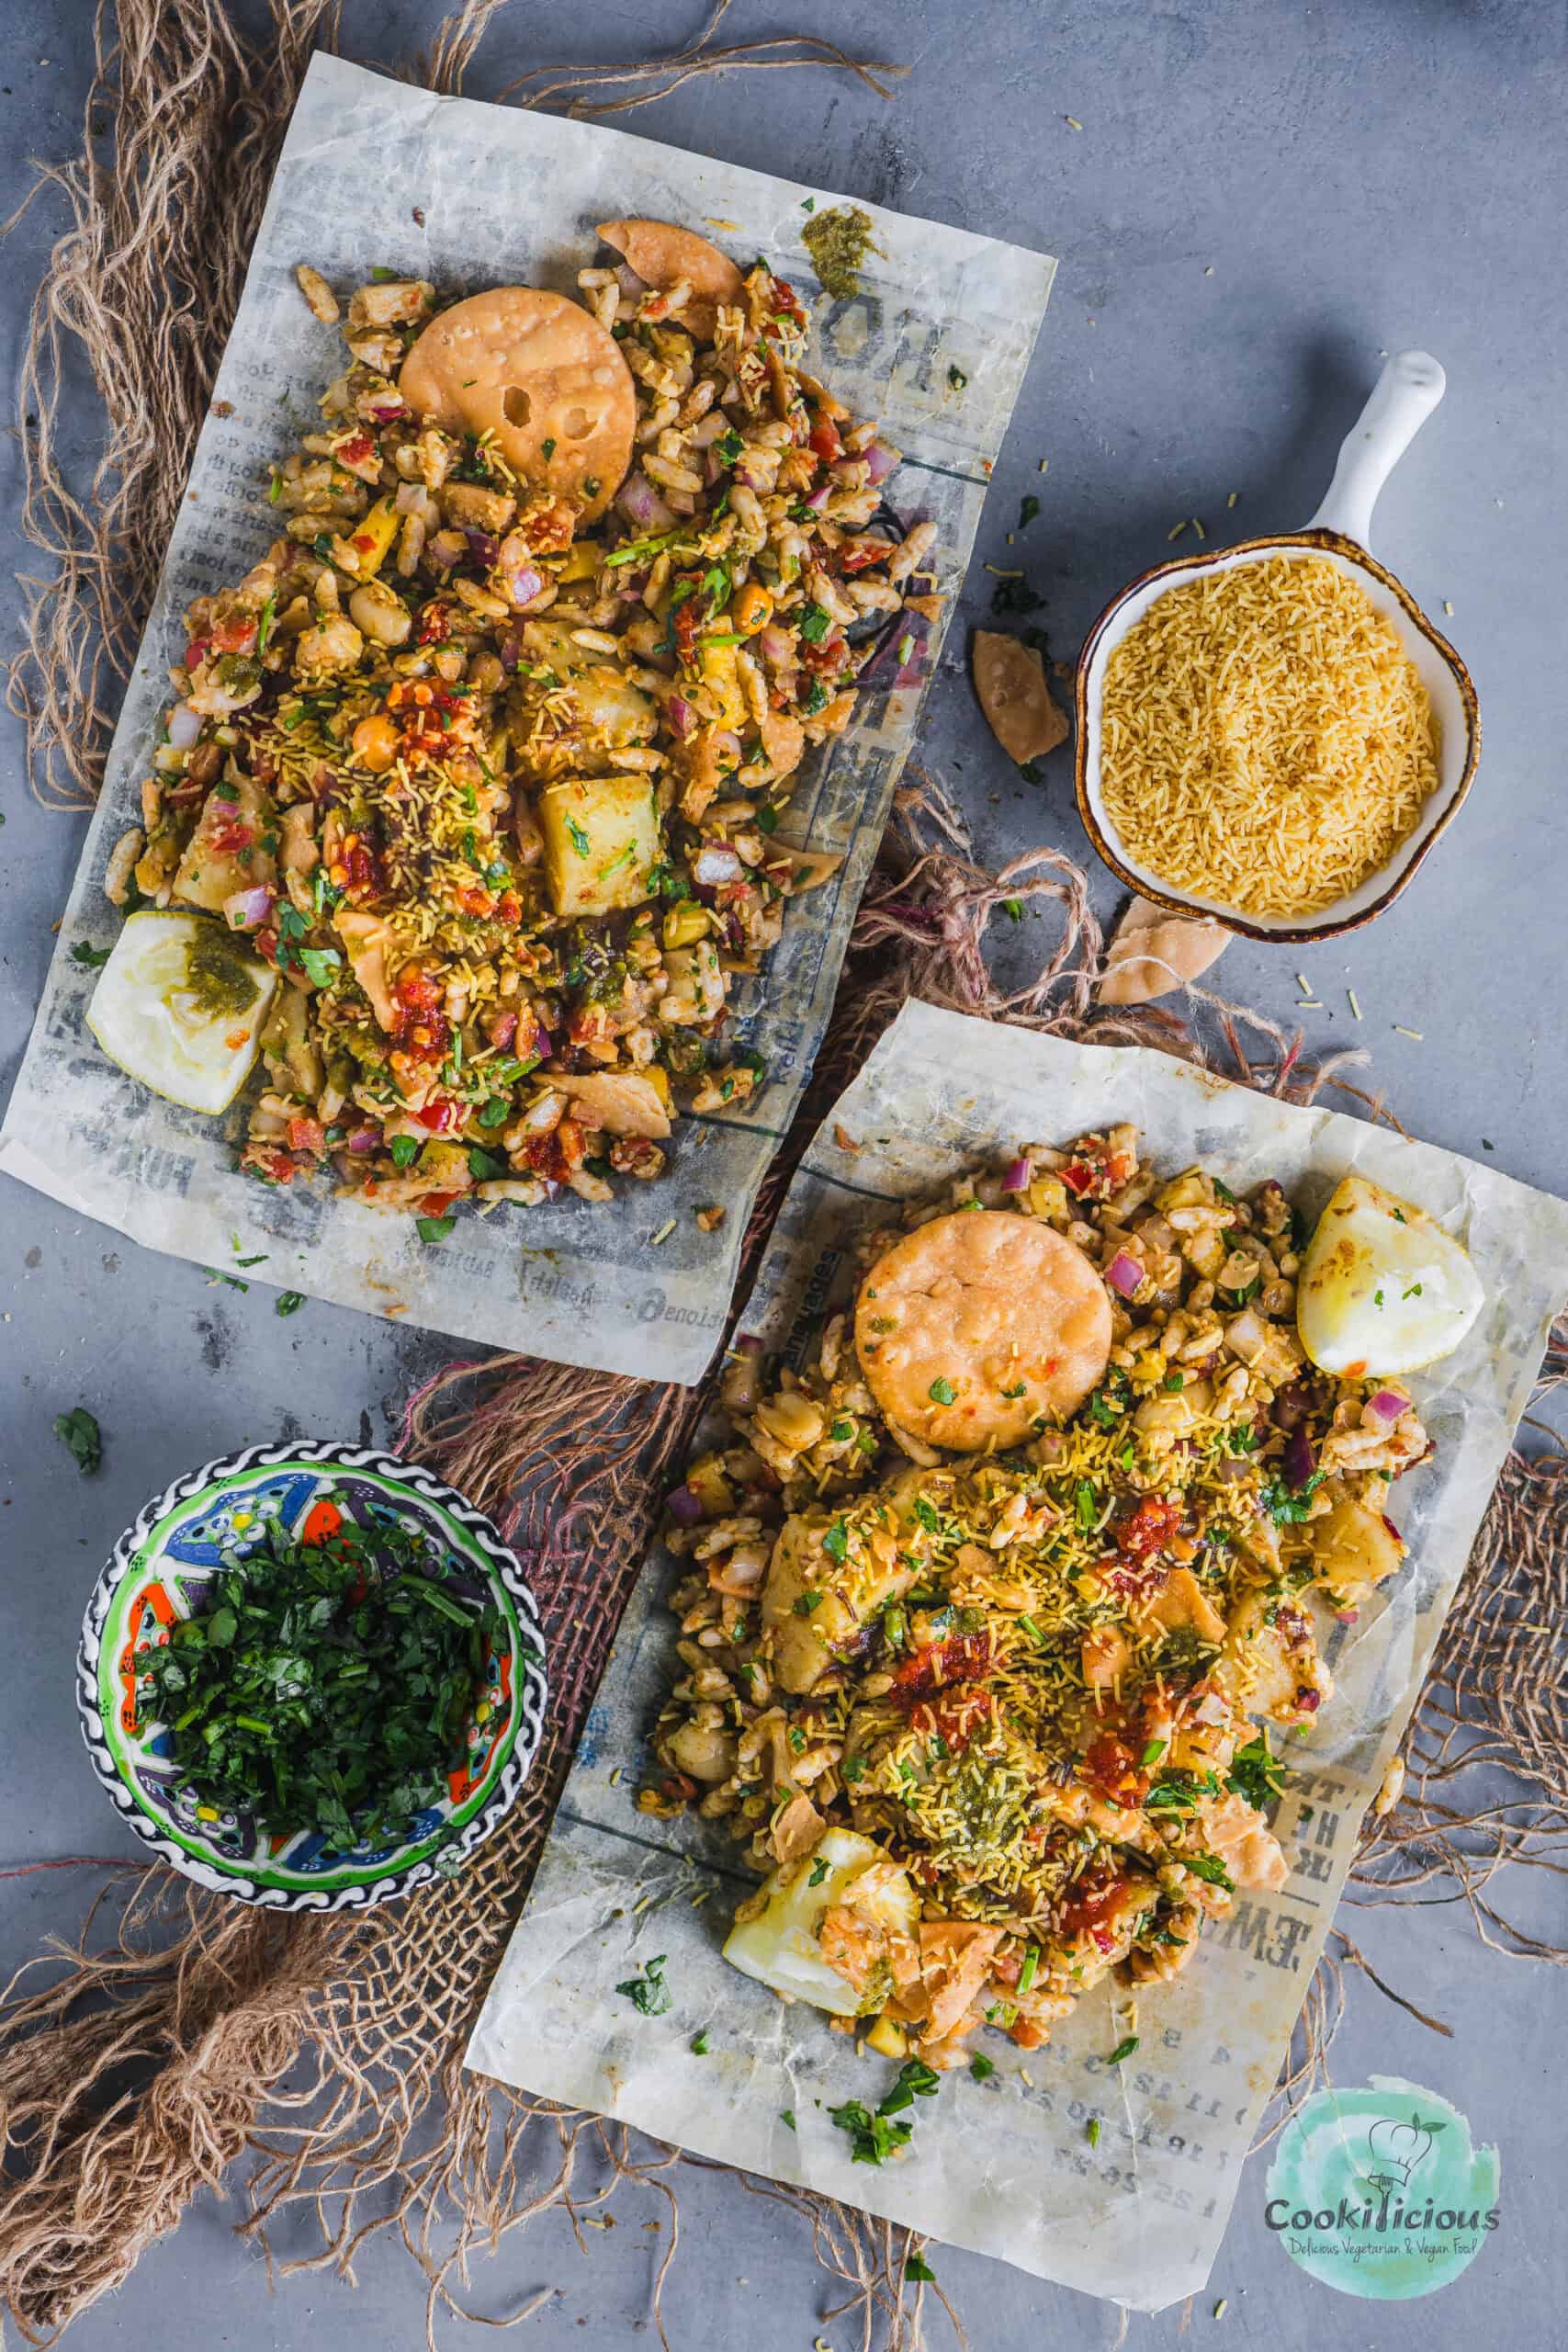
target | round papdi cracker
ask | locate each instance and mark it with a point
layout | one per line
(664, 256)
(540, 374)
(976, 1325)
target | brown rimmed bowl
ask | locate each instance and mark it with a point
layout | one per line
(1408, 390)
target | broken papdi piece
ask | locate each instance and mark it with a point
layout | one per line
(976, 1325)
(1152, 952)
(665, 256)
(541, 375)
(1009, 679)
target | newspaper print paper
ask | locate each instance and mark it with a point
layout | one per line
(469, 194)
(1004, 2166)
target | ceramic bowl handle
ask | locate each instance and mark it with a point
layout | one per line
(1403, 399)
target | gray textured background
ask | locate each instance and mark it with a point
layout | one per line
(1263, 198)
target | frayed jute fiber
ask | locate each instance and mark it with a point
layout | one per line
(314, 2065)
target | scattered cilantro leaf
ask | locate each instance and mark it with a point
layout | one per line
(80, 1434)
(648, 1993)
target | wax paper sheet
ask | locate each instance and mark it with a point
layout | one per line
(374, 173)
(1005, 2166)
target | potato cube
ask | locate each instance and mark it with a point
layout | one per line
(601, 837)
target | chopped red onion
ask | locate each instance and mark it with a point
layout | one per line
(1124, 1274)
(524, 584)
(364, 1139)
(1346, 1616)
(679, 714)
(709, 429)
(184, 727)
(820, 497)
(880, 461)
(685, 1508)
(483, 547)
(1020, 1176)
(777, 646)
(1388, 1404)
(628, 280)
(387, 414)
(641, 504)
(248, 910)
(224, 811)
(1300, 1462)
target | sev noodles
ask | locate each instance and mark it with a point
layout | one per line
(1266, 741)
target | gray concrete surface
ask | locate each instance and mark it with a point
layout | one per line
(1262, 197)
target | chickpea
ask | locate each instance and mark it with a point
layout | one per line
(375, 742)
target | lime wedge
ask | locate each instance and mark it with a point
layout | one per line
(180, 1006)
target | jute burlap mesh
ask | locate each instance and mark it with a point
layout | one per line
(318, 2062)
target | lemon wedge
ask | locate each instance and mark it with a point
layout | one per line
(780, 1946)
(1382, 1288)
(180, 1006)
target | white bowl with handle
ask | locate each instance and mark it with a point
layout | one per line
(1405, 393)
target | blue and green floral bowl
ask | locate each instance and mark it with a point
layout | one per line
(162, 1570)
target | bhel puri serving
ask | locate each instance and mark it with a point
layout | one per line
(465, 814)
(982, 1672)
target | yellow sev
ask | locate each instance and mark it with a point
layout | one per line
(1266, 741)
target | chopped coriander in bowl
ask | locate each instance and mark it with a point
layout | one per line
(312, 1676)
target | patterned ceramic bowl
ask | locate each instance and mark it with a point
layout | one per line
(161, 1571)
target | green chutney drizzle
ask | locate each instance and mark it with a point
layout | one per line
(217, 974)
(838, 242)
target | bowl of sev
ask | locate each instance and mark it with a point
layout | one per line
(1274, 734)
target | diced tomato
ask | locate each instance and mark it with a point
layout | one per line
(229, 839)
(1111, 1767)
(509, 909)
(826, 659)
(1087, 1905)
(267, 942)
(958, 1658)
(305, 1134)
(356, 447)
(688, 628)
(363, 868)
(782, 295)
(196, 652)
(236, 634)
(825, 439)
(1096, 1175)
(954, 1717)
(550, 528)
(435, 623)
(416, 990)
(856, 554)
(442, 1116)
(473, 900)
(436, 1203)
(1148, 1528)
